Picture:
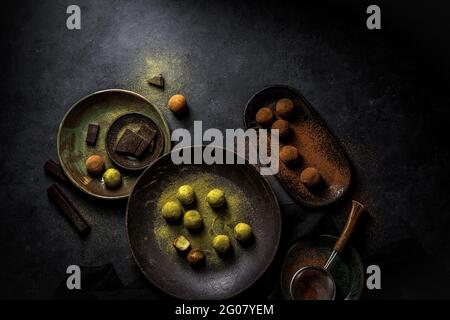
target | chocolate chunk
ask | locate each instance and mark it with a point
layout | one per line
(128, 143)
(92, 133)
(142, 147)
(147, 133)
(55, 170)
(70, 212)
(157, 81)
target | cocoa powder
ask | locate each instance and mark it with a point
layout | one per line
(318, 149)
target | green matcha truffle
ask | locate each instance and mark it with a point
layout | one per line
(186, 194)
(112, 178)
(192, 219)
(221, 243)
(242, 232)
(216, 198)
(181, 244)
(171, 211)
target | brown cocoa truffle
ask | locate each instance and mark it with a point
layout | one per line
(177, 103)
(283, 127)
(264, 117)
(310, 177)
(289, 155)
(285, 108)
(196, 257)
(95, 165)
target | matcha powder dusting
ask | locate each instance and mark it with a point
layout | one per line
(215, 220)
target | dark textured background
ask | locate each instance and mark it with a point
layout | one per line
(383, 93)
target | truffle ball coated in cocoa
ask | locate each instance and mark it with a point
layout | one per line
(242, 232)
(112, 178)
(171, 211)
(192, 219)
(264, 117)
(177, 103)
(216, 198)
(289, 155)
(310, 177)
(196, 257)
(186, 194)
(283, 128)
(95, 165)
(285, 108)
(221, 243)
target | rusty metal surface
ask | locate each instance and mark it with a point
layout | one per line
(102, 107)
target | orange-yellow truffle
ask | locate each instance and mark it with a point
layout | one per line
(95, 165)
(177, 103)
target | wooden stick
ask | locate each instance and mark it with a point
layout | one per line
(54, 169)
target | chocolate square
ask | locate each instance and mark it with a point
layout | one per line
(92, 133)
(147, 133)
(128, 143)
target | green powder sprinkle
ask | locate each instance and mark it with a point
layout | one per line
(215, 221)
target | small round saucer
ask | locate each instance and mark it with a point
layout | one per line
(347, 268)
(133, 121)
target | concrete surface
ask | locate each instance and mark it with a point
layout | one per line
(383, 93)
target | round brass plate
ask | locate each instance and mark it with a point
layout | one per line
(103, 108)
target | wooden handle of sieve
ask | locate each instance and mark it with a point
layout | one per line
(353, 217)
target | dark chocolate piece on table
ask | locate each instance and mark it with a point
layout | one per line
(70, 212)
(142, 147)
(55, 170)
(157, 81)
(128, 143)
(92, 134)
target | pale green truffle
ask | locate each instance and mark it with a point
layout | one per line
(221, 243)
(242, 232)
(171, 211)
(192, 219)
(216, 198)
(112, 178)
(186, 194)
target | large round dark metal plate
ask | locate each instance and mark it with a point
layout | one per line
(217, 279)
